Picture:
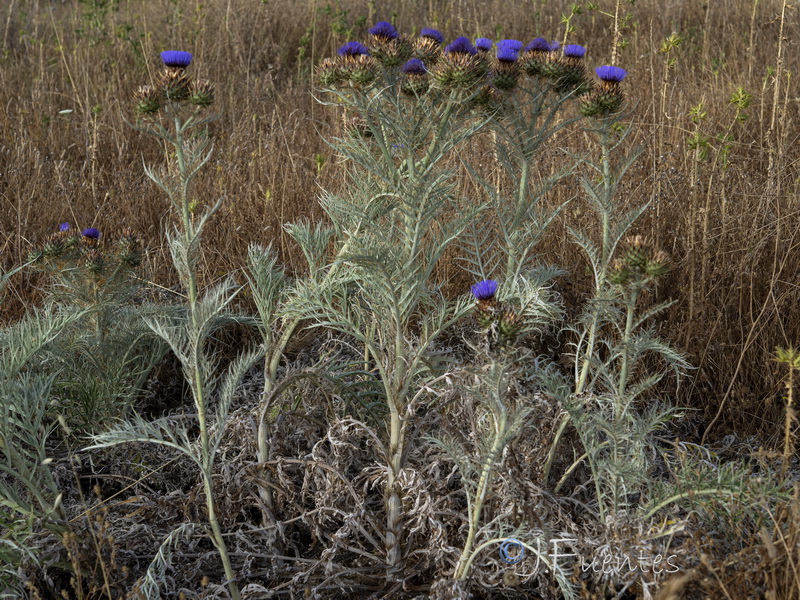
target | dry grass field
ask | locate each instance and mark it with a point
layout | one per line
(713, 101)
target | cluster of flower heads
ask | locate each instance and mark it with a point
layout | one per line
(174, 85)
(427, 62)
(67, 248)
(642, 263)
(497, 320)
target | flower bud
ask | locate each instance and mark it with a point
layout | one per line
(148, 100)
(94, 261)
(201, 93)
(330, 72)
(416, 81)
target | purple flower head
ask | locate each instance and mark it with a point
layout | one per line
(176, 59)
(91, 233)
(484, 290)
(64, 226)
(574, 51)
(554, 45)
(507, 54)
(538, 45)
(484, 44)
(611, 74)
(515, 45)
(384, 29)
(434, 34)
(414, 67)
(460, 45)
(353, 49)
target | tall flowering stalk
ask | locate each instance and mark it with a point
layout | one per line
(603, 103)
(174, 110)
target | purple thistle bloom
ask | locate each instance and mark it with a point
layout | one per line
(484, 44)
(384, 29)
(353, 49)
(414, 67)
(538, 45)
(434, 34)
(460, 45)
(484, 290)
(507, 54)
(91, 233)
(574, 51)
(177, 59)
(515, 45)
(611, 74)
(554, 45)
(64, 226)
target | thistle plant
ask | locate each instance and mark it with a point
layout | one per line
(502, 408)
(88, 272)
(623, 373)
(613, 222)
(174, 111)
(619, 357)
(103, 358)
(391, 227)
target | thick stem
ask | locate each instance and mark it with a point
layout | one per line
(393, 505)
(512, 264)
(219, 541)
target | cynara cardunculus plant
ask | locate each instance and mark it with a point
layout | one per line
(175, 111)
(90, 273)
(618, 357)
(396, 218)
(107, 356)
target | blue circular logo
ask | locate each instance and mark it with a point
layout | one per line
(512, 551)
